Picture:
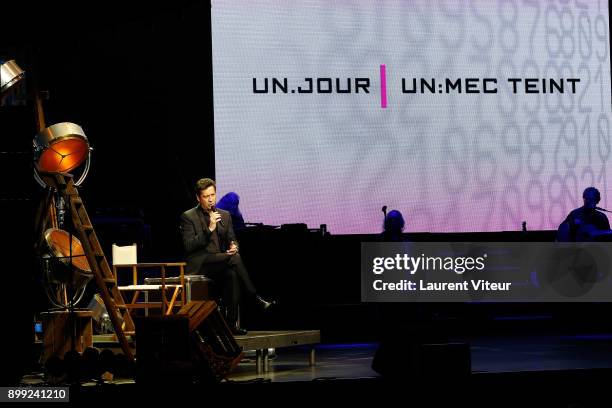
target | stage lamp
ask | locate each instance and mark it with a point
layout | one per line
(60, 148)
(69, 250)
(10, 74)
(65, 263)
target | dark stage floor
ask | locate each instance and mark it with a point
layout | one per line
(490, 354)
(540, 370)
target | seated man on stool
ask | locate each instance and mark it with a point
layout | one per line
(212, 250)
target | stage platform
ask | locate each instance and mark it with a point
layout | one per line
(262, 341)
(259, 341)
(560, 369)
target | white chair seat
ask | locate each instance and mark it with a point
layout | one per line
(146, 287)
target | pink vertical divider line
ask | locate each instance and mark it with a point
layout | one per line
(383, 86)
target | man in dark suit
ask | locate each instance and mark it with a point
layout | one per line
(212, 250)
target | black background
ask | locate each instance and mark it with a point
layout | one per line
(137, 77)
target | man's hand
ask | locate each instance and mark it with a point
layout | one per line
(233, 249)
(215, 217)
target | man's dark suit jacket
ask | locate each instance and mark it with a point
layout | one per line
(197, 237)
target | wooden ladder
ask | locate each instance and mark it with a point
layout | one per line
(105, 280)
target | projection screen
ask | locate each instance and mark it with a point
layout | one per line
(463, 115)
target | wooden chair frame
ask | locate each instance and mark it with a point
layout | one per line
(166, 305)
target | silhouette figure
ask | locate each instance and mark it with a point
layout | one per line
(584, 223)
(229, 203)
(393, 227)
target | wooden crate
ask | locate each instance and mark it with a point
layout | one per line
(58, 329)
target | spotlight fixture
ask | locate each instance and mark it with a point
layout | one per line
(66, 265)
(69, 251)
(10, 74)
(60, 148)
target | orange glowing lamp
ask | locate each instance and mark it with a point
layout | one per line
(60, 148)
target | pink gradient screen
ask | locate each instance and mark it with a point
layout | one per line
(321, 115)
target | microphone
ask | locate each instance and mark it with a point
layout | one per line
(213, 209)
(603, 209)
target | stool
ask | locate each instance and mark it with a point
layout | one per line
(213, 292)
(197, 287)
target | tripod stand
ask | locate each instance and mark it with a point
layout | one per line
(113, 301)
(93, 257)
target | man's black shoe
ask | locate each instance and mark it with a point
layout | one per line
(264, 304)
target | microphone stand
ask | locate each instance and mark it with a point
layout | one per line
(384, 233)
